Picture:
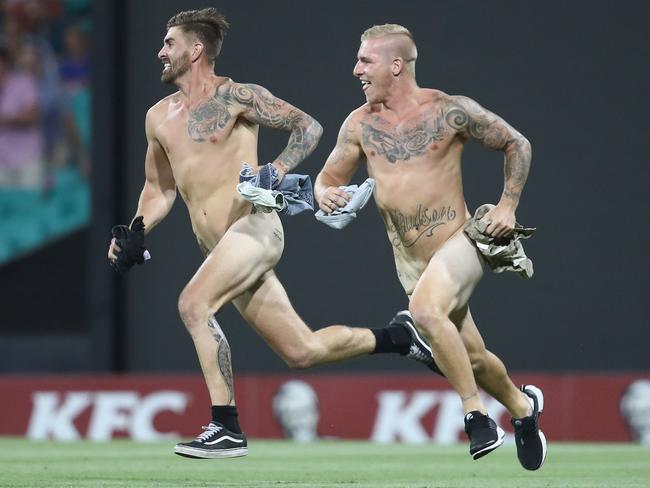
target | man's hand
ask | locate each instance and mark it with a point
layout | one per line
(127, 246)
(501, 221)
(333, 198)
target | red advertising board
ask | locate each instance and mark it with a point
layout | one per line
(381, 407)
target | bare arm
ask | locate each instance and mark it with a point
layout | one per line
(475, 122)
(339, 168)
(159, 190)
(261, 107)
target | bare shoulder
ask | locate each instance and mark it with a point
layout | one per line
(243, 92)
(223, 84)
(156, 114)
(353, 120)
(157, 110)
(433, 94)
(436, 97)
(365, 110)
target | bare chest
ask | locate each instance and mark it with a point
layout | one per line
(427, 136)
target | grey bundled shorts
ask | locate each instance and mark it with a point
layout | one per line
(501, 254)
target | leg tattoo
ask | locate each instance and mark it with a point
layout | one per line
(224, 361)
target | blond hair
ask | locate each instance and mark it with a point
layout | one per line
(408, 51)
(386, 30)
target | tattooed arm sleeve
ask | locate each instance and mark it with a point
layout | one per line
(261, 107)
(475, 122)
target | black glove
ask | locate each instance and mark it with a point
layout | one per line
(131, 243)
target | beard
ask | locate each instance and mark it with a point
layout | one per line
(176, 69)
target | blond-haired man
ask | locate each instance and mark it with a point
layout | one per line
(412, 139)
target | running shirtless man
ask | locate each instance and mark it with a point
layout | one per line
(197, 140)
(412, 139)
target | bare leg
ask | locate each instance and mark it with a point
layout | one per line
(244, 254)
(445, 287)
(224, 360)
(267, 309)
(489, 370)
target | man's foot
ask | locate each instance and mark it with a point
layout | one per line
(531, 442)
(419, 349)
(214, 442)
(484, 434)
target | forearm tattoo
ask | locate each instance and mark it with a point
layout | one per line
(516, 167)
(401, 144)
(470, 118)
(425, 221)
(224, 360)
(257, 105)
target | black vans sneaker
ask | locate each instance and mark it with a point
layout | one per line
(214, 442)
(419, 350)
(531, 442)
(484, 434)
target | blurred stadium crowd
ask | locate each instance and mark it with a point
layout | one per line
(45, 121)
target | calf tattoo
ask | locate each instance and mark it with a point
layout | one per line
(224, 361)
(424, 221)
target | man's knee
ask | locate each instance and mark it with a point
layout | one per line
(193, 313)
(428, 317)
(303, 355)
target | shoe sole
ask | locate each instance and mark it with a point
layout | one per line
(488, 449)
(193, 452)
(540, 407)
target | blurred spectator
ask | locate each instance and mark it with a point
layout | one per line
(26, 27)
(21, 139)
(45, 114)
(75, 61)
(75, 72)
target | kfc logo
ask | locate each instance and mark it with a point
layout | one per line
(54, 414)
(400, 415)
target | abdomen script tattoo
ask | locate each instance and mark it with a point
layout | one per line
(424, 221)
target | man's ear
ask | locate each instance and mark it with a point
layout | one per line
(197, 49)
(397, 66)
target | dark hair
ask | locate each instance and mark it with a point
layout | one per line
(208, 25)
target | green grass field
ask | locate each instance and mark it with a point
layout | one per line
(325, 464)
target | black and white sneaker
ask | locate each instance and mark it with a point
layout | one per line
(419, 350)
(484, 434)
(214, 442)
(531, 442)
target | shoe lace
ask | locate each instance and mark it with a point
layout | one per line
(208, 431)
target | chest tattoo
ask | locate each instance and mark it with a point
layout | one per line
(209, 117)
(403, 143)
